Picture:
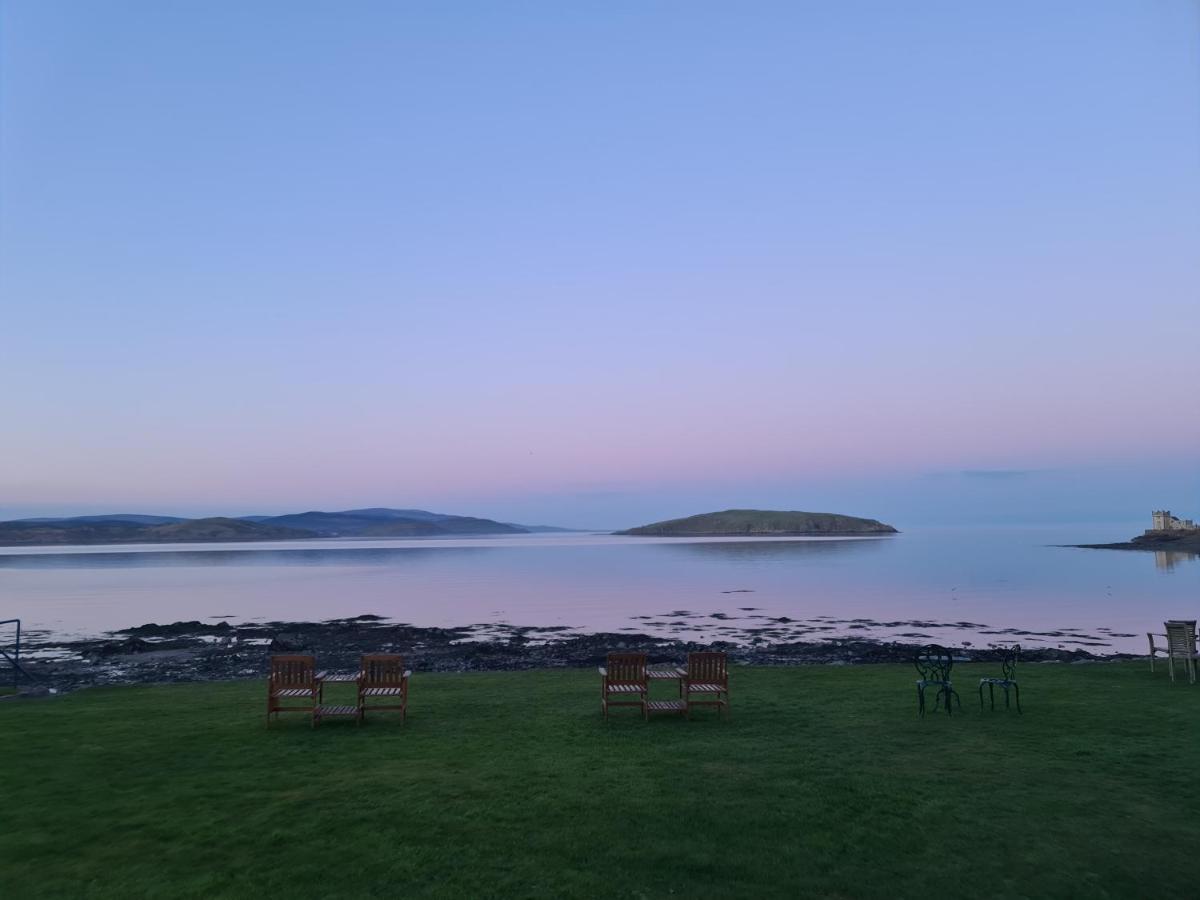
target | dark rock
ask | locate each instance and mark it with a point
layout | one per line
(288, 642)
(114, 648)
(337, 645)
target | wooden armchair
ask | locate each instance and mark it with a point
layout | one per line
(708, 677)
(382, 675)
(293, 678)
(624, 682)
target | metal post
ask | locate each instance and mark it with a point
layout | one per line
(15, 659)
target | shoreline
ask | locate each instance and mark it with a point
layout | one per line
(196, 651)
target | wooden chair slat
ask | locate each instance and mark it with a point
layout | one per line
(707, 674)
(383, 675)
(293, 677)
(624, 674)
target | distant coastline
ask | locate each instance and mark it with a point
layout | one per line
(137, 528)
(1177, 542)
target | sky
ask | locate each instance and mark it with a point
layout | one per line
(600, 264)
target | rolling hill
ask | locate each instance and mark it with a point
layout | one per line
(124, 528)
(762, 522)
(381, 522)
(117, 531)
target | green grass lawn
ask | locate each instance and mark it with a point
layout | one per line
(823, 783)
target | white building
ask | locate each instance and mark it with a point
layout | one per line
(1164, 521)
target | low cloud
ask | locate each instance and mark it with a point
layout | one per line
(997, 474)
(985, 474)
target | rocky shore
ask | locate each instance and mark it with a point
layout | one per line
(1183, 542)
(196, 651)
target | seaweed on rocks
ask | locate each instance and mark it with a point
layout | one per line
(194, 651)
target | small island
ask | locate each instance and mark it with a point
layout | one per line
(763, 523)
(1167, 532)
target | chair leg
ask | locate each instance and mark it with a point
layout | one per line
(1151, 640)
(1171, 667)
(920, 701)
(992, 695)
(1017, 691)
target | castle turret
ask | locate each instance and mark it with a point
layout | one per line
(1164, 521)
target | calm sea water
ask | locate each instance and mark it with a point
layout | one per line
(978, 585)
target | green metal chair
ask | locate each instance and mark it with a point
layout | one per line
(933, 664)
(1007, 679)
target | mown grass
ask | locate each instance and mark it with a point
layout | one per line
(823, 783)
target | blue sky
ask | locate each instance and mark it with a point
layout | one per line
(593, 264)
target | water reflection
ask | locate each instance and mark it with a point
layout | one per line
(756, 551)
(917, 586)
(1167, 560)
(380, 556)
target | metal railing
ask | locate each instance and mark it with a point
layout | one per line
(14, 660)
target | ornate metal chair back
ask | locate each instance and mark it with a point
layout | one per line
(934, 663)
(1008, 662)
(626, 668)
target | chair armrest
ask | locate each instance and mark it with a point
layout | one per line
(604, 671)
(407, 673)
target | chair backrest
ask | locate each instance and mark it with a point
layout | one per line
(934, 663)
(709, 667)
(1008, 661)
(626, 668)
(1181, 636)
(293, 671)
(383, 669)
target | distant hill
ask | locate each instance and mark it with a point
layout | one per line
(762, 522)
(380, 522)
(136, 518)
(116, 531)
(124, 528)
